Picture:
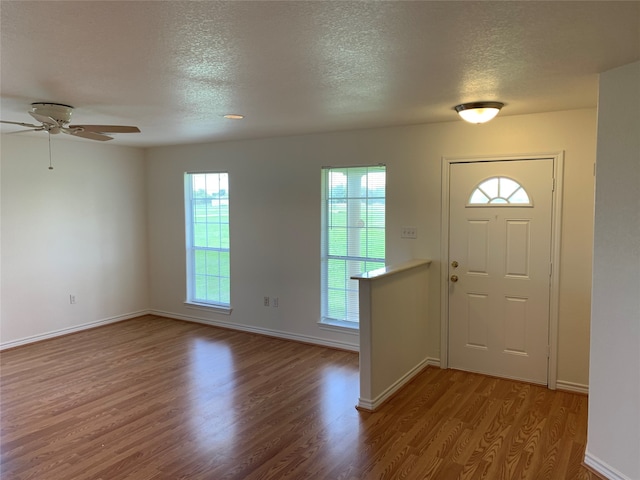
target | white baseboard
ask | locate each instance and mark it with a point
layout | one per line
(572, 387)
(433, 362)
(68, 330)
(602, 468)
(352, 347)
(373, 404)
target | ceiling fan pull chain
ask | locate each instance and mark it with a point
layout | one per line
(50, 166)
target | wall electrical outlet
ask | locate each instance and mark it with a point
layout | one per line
(409, 232)
(72, 299)
(275, 302)
(266, 301)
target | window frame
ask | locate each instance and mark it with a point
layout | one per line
(193, 300)
(326, 321)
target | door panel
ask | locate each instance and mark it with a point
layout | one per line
(518, 253)
(499, 305)
(477, 320)
(478, 246)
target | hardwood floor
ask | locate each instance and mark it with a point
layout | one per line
(153, 398)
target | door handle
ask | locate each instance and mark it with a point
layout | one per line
(454, 278)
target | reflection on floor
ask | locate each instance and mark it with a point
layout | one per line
(154, 398)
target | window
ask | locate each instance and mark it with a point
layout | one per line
(498, 191)
(353, 237)
(207, 238)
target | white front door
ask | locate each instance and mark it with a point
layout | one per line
(499, 267)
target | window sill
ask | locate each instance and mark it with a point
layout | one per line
(339, 326)
(205, 307)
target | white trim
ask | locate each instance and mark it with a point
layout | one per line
(556, 229)
(352, 347)
(204, 307)
(554, 291)
(341, 326)
(68, 330)
(602, 468)
(572, 387)
(373, 404)
(444, 263)
(433, 362)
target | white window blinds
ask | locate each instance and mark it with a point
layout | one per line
(353, 235)
(207, 238)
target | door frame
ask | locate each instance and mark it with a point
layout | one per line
(556, 229)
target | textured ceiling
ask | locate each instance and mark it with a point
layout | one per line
(173, 68)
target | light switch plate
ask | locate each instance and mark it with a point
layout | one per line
(409, 232)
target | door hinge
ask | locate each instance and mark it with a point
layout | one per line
(553, 184)
(548, 351)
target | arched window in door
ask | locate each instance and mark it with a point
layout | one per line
(499, 191)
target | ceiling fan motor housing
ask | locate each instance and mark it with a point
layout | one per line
(59, 112)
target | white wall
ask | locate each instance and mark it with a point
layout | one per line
(78, 229)
(613, 446)
(275, 218)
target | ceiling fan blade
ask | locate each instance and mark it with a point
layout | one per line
(44, 119)
(21, 124)
(87, 135)
(106, 128)
(28, 130)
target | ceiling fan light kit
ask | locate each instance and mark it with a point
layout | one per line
(478, 112)
(56, 111)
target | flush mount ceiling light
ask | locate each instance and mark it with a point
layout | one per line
(478, 112)
(233, 116)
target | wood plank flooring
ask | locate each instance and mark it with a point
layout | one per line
(153, 398)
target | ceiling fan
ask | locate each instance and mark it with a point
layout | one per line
(55, 118)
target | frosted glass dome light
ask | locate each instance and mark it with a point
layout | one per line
(478, 112)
